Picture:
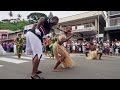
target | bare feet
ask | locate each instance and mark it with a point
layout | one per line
(52, 58)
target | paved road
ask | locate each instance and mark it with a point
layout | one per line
(107, 68)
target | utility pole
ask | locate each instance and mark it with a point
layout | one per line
(98, 26)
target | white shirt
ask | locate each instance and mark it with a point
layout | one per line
(64, 44)
(117, 43)
(37, 31)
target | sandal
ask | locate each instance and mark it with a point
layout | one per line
(35, 77)
(38, 72)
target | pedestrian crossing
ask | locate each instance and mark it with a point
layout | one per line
(12, 60)
(1, 65)
(15, 60)
(30, 57)
(23, 57)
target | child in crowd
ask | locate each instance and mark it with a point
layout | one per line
(111, 51)
(116, 51)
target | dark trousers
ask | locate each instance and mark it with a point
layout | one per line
(86, 53)
(99, 55)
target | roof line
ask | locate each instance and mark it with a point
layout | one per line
(74, 15)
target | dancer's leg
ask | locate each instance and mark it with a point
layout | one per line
(61, 59)
(35, 61)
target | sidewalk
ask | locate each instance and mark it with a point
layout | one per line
(72, 54)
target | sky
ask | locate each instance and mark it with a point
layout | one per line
(24, 14)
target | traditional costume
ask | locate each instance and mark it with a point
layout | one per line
(68, 62)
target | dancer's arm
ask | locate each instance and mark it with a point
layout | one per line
(34, 26)
(40, 22)
(69, 36)
(61, 42)
(61, 30)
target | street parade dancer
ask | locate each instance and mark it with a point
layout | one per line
(34, 41)
(61, 53)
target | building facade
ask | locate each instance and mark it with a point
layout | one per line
(4, 34)
(89, 25)
(8, 35)
(112, 31)
(13, 35)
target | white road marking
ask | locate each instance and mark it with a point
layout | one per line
(26, 57)
(46, 57)
(1, 65)
(22, 57)
(16, 61)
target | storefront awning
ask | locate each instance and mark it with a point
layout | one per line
(112, 28)
(86, 32)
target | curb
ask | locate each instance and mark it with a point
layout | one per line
(102, 56)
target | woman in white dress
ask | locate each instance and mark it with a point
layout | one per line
(73, 47)
(2, 51)
(15, 51)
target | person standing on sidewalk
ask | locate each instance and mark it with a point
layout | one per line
(19, 45)
(15, 51)
(51, 45)
(2, 51)
(47, 44)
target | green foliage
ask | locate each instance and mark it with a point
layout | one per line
(14, 26)
(34, 17)
(50, 15)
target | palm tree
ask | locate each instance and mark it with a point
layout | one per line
(50, 15)
(10, 14)
(19, 16)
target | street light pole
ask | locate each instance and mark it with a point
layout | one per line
(98, 26)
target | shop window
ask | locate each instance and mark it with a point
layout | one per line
(73, 28)
(80, 27)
